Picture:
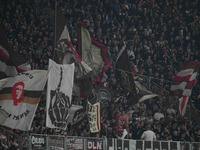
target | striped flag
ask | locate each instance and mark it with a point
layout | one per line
(93, 53)
(20, 96)
(11, 62)
(183, 83)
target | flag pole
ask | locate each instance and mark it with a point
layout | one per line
(189, 113)
(45, 110)
(55, 26)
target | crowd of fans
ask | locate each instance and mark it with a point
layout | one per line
(160, 36)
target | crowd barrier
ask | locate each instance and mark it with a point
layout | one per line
(55, 142)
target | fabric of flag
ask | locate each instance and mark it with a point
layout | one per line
(183, 83)
(66, 54)
(105, 95)
(76, 114)
(142, 93)
(19, 98)
(93, 53)
(183, 101)
(122, 122)
(11, 62)
(59, 94)
(94, 116)
(124, 72)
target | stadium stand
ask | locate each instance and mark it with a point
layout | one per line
(160, 36)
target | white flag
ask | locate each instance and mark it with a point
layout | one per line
(19, 98)
(59, 93)
(94, 116)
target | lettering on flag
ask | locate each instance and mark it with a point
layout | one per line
(94, 116)
(19, 98)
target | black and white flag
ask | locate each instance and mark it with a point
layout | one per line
(11, 63)
(59, 94)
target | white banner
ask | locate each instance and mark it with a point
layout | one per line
(94, 116)
(19, 98)
(59, 93)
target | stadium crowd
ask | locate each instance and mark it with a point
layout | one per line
(160, 36)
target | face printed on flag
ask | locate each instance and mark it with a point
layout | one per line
(19, 98)
(18, 92)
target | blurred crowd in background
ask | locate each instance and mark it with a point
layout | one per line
(160, 36)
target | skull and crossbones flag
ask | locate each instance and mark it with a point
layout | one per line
(59, 94)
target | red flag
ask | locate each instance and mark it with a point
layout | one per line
(122, 122)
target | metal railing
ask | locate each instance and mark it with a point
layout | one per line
(56, 142)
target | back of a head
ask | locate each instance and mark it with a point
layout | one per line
(12, 147)
(148, 127)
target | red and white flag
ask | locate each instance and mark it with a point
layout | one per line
(183, 83)
(19, 98)
(94, 117)
(11, 63)
(93, 53)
